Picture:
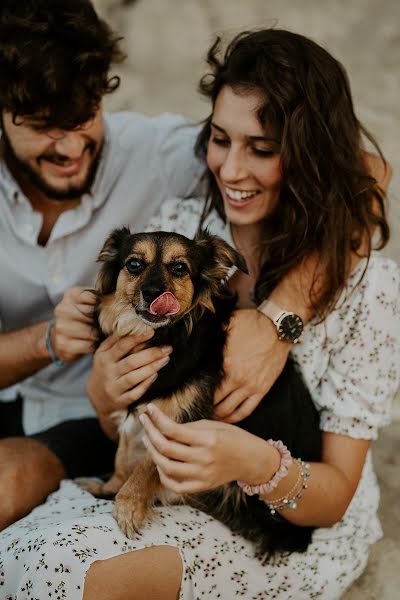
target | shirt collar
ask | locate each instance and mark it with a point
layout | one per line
(9, 187)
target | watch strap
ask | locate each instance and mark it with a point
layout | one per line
(271, 310)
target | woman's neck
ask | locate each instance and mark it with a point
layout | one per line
(247, 240)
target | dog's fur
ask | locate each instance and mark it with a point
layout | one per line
(136, 269)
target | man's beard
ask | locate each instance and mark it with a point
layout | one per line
(72, 192)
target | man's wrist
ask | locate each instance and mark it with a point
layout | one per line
(39, 340)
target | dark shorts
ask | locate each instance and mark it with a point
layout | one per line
(80, 444)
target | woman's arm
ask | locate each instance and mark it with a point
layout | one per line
(238, 395)
(194, 457)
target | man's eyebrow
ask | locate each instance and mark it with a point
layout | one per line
(254, 138)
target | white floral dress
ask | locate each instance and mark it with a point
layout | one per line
(351, 364)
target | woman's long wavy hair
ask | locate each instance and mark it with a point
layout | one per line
(330, 206)
(55, 57)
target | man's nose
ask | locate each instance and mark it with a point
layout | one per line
(233, 168)
(71, 144)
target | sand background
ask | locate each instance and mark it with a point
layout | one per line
(166, 41)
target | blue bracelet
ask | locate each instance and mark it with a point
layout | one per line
(56, 361)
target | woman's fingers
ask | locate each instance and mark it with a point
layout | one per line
(227, 406)
(168, 447)
(180, 487)
(244, 410)
(197, 434)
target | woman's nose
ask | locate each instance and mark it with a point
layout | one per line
(233, 167)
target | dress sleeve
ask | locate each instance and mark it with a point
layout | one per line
(177, 215)
(362, 375)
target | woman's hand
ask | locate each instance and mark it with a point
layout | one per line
(253, 360)
(73, 334)
(199, 456)
(121, 375)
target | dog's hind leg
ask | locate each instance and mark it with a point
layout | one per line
(128, 453)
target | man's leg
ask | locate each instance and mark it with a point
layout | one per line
(150, 574)
(29, 472)
(32, 467)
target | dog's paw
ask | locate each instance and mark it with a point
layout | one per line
(93, 486)
(97, 488)
(129, 516)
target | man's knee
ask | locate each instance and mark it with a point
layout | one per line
(29, 472)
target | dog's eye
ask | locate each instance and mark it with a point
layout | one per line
(178, 268)
(134, 266)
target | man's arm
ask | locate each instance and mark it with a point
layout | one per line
(23, 352)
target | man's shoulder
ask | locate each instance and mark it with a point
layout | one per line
(127, 123)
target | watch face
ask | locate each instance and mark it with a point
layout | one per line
(290, 328)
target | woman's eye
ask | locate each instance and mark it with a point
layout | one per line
(178, 268)
(219, 141)
(263, 152)
(134, 266)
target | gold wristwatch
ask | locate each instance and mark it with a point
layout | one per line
(288, 325)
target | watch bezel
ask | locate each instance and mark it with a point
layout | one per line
(286, 336)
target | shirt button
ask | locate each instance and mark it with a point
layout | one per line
(56, 279)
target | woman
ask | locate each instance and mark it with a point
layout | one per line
(287, 181)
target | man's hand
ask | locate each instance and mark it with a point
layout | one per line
(253, 360)
(73, 334)
(121, 374)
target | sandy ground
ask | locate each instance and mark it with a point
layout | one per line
(166, 42)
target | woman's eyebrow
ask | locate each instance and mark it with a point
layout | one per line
(254, 138)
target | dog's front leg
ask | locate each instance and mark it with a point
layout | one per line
(134, 500)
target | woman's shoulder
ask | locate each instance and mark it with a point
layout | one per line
(183, 215)
(374, 281)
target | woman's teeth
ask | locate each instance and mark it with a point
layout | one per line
(238, 195)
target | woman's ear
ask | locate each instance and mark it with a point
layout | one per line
(111, 255)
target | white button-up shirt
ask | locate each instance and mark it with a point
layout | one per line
(144, 162)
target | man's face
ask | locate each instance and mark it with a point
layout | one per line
(60, 164)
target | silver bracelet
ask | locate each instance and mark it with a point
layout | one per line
(290, 499)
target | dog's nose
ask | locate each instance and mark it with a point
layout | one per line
(150, 293)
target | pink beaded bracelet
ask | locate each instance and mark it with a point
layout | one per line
(266, 488)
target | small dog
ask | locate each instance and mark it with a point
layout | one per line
(176, 286)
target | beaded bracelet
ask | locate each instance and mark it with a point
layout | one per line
(285, 464)
(56, 361)
(289, 500)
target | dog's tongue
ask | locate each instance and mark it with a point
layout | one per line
(166, 304)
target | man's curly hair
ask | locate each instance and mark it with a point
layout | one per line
(55, 58)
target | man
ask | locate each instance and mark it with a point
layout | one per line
(68, 175)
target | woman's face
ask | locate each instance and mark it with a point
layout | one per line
(244, 159)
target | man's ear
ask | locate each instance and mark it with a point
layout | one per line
(111, 255)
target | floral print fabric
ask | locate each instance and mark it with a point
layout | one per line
(350, 363)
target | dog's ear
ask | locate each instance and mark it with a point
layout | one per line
(111, 255)
(216, 259)
(218, 256)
